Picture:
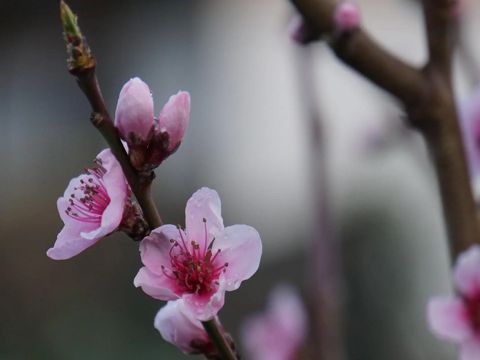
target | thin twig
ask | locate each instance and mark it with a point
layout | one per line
(216, 335)
(324, 267)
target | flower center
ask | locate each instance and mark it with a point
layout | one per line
(89, 198)
(195, 270)
(473, 308)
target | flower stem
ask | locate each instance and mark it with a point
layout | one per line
(216, 335)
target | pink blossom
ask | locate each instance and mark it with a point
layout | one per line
(278, 333)
(470, 125)
(347, 16)
(301, 32)
(91, 207)
(177, 326)
(457, 318)
(202, 262)
(134, 117)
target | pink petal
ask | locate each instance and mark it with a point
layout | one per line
(470, 350)
(286, 306)
(69, 241)
(241, 248)
(470, 125)
(204, 204)
(278, 333)
(157, 286)
(178, 327)
(206, 307)
(301, 32)
(134, 113)
(155, 248)
(174, 117)
(448, 319)
(467, 271)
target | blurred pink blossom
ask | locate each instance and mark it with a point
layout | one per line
(301, 32)
(150, 141)
(470, 125)
(278, 333)
(91, 207)
(347, 16)
(457, 318)
(202, 262)
(177, 326)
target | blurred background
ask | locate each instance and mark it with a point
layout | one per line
(248, 139)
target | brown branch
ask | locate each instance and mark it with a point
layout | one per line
(362, 53)
(427, 96)
(325, 296)
(441, 33)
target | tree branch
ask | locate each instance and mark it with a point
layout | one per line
(360, 52)
(325, 303)
(426, 95)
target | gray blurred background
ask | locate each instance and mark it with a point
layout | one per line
(247, 139)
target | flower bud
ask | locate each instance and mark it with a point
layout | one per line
(173, 119)
(347, 16)
(180, 328)
(134, 114)
(301, 32)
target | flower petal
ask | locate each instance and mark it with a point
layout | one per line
(241, 248)
(470, 350)
(467, 272)
(157, 286)
(69, 241)
(204, 204)
(205, 307)
(178, 327)
(448, 319)
(155, 248)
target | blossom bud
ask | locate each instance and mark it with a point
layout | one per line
(173, 119)
(79, 54)
(347, 16)
(300, 32)
(134, 113)
(180, 328)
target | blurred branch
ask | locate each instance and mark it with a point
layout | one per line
(325, 303)
(426, 95)
(359, 51)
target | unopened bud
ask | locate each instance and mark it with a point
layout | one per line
(301, 32)
(347, 16)
(134, 114)
(173, 119)
(79, 55)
